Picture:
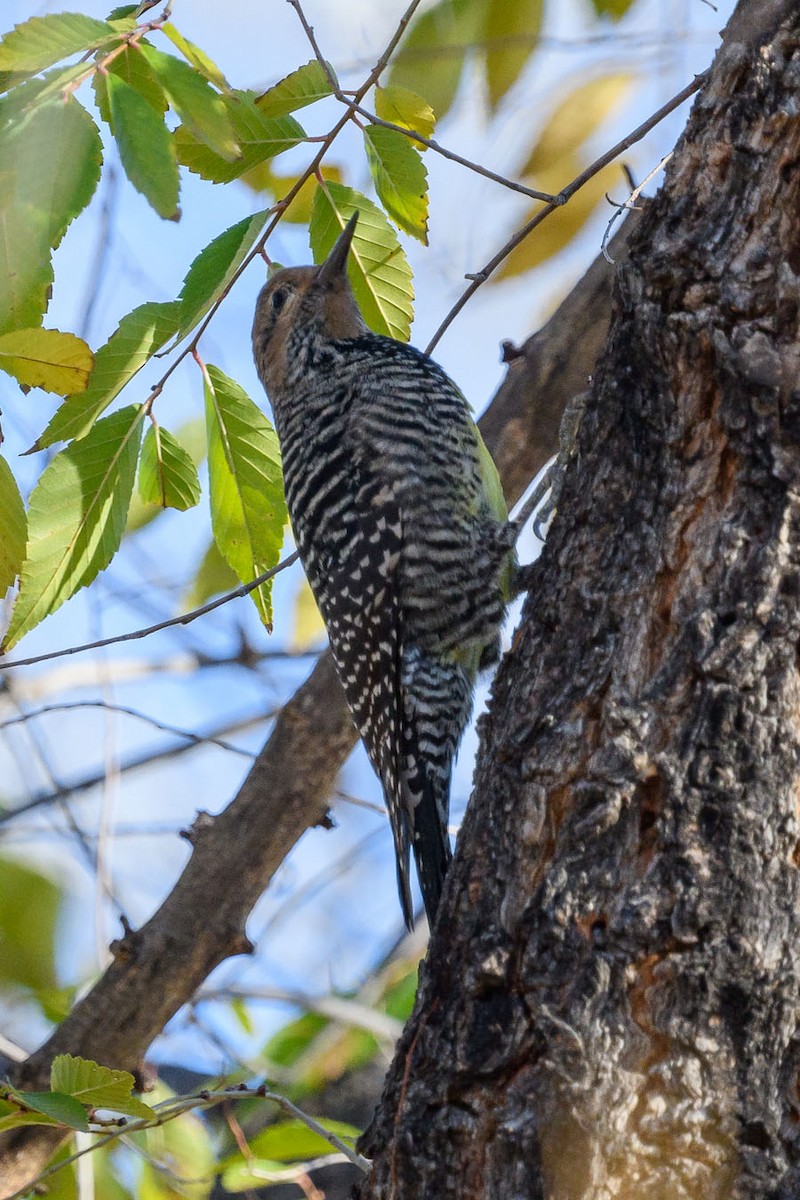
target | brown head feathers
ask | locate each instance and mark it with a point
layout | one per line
(318, 299)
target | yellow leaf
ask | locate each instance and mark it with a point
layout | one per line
(45, 358)
(558, 230)
(405, 108)
(511, 33)
(309, 628)
(263, 179)
(575, 119)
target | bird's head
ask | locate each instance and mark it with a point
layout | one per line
(319, 299)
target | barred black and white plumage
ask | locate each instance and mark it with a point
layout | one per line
(399, 520)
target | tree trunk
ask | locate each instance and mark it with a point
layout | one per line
(610, 1003)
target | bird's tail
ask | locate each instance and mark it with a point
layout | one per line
(430, 839)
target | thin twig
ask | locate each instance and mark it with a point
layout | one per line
(480, 277)
(412, 134)
(629, 204)
(195, 738)
(176, 1106)
(136, 634)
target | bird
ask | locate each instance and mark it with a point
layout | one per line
(399, 518)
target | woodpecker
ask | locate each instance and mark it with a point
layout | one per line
(398, 514)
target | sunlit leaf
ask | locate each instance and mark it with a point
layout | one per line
(191, 436)
(132, 67)
(214, 267)
(574, 120)
(377, 267)
(14, 529)
(140, 335)
(200, 108)
(260, 137)
(400, 178)
(214, 576)
(167, 475)
(146, 148)
(308, 628)
(511, 32)
(431, 57)
(248, 509)
(29, 907)
(96, 1086)
(45, 358)
(306, 85)
(197, 57)
(25, 266)
(561, 226)
(290, 1140)
(52, 158)
(76, 517)
(406, 108)
(42, 41)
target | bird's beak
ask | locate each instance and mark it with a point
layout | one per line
(335, 264)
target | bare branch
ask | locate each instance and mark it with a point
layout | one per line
(480, 277)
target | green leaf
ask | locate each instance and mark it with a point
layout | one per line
(145, 147)
(62, 1108)
(192, 437)
(201, 109)
(29, 910)
(574, 120)
(511, 32)
(290, 1043)
(76, 517)
(400, 178)
(377, 268)
(248, 509)
(260, 137)
(405, 108)
(132, 68)
(45, 358)
(54, 85)
(214, 267)
(14, 525)
(197, 57)
(213, 577)
(55, 155)
(63, 1185)
(432, 55)
(140, 335)
(290, 1140)
(96, 1086)
(167, 475)
(306, 85)
(12, 1117)
(42, 41)
(25, 266)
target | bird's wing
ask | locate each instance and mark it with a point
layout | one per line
(362, 612)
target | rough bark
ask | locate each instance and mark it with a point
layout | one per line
(157, 968)
(610, 1003)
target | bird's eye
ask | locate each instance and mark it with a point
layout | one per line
(279, 298)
